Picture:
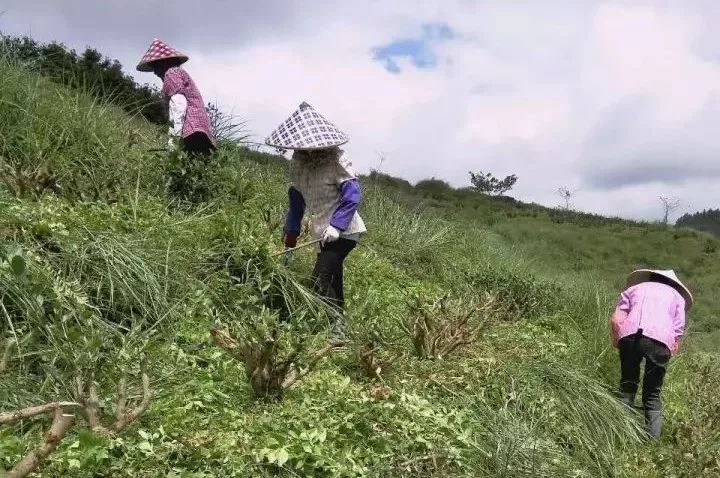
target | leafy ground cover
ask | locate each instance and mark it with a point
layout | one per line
(117, 263)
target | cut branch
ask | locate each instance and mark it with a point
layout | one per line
(223, 340)
(92, 406)
(122, 398)
(60, 425)
(123, 415)
(268, 376)
(294, 374)
(15, 415)
(130, 416)
(440, 327)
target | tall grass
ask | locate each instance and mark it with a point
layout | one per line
(53, 139)
(407, 237)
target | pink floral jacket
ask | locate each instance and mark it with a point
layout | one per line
(178, 82)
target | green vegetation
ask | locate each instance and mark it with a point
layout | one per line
(89, 70)
(707, 220)
(479, 341)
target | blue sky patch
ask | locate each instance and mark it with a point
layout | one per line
(419, 50)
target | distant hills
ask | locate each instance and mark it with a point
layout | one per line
(707, 220)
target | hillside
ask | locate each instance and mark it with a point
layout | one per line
(562, 244)
(118, 266)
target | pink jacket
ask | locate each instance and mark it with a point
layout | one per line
(657, 309)
(178, 81)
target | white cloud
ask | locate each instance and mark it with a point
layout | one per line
(619, 98)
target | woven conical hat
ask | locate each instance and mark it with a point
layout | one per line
(306, 129)
(159, 50)
(643, 275)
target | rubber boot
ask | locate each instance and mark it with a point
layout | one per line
(654, 423)
(628, 399)
(337, 332)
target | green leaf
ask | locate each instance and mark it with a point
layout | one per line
(282, 457)
(18, 265)
(145, 446)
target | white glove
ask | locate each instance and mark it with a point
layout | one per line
(331, 234)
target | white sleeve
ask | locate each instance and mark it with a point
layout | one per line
(178, 107)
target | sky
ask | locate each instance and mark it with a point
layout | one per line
(618, 101)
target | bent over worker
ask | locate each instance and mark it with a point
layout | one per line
(322, 182)
(648, 323)
(190, 126)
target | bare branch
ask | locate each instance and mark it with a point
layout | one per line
(122, 397)
(92, 406)
(15, 415)
(222, 339)
(566, 194)
(129, 417)
(669, 205)
(294, 374)
(60, 425)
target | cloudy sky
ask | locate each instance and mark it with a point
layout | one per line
(619, 100)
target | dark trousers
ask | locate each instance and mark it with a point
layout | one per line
(327, 280)
(633, 350)
(198, 143)
(327, 275)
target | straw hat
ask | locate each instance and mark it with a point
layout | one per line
(160, 50)
(306, 129)
(643, 275)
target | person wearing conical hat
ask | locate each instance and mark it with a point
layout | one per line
(648, 324)
(189, 122)
(323, 183)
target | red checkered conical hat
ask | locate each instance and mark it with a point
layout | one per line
(159, 50)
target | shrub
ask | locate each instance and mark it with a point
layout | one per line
(521, 295)
(438, 327)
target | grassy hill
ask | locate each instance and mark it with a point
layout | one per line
(566, 245)
(122, 270)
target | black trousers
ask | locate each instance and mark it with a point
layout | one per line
(633, 350)
(198, 143)
(327, 275)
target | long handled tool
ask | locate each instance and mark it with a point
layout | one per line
(305, 244)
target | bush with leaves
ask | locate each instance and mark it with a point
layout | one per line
(520, 294)
(264, 316)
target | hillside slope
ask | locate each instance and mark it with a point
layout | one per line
(108, 274)
(563, 245)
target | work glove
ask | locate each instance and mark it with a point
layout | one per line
(331, 234)
(290, 240)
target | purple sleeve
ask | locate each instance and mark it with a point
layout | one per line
(349, 201)
(293, 220)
